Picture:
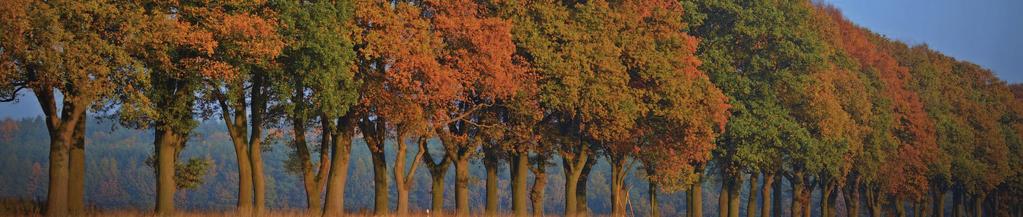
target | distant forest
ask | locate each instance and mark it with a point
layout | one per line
(500, 107)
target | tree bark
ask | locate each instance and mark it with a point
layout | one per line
(799, 195)
(619, 169)
(777, 208)
(437, 172)
(402, 179)
(374, 131)
(957, 203)
(723, 196)
(337, 178)
(573, 170)
(582, 202)
(166, 142)
(61, 129)
(851, 195)
(751, 202)
(519, 164)
(939, 202)
(241, 151)
(873, 201)
(655, 210)
(462, 185)
(900, 207)
(733, 199)
(978, 205)
(76, 181)
(695, 205)
(828, 197)
(765, 205)
(536, 194)
(491, 163)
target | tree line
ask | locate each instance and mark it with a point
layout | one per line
(758, 93)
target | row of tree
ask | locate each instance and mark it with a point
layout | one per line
(757, 92)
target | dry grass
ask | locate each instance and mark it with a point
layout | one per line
(14, 207)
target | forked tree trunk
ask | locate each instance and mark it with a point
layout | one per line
(61, 129)
(437, 172)
(573, 170)
(403, 179)
(799, 194)
(619, 169)
(374, 131)
(939, 202)
(581, 191)
(519, 164)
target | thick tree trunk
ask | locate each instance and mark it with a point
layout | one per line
(462, 185)
(751, 202)
(76, 181)
(244, 169)
(765, 205)
(519, 164)
(491, 164)
(337, 178)
(733, 199)
(582, 204)
(166, 149)
(61, 129)
(380, 185)
(799, 195)
(618, 195)
(437, 192)
(655, 207)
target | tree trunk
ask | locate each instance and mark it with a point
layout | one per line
(873, 201)
(733, 196)
(696, 195)
(573, 170)
(380, 201)
(765, 205)
(777, 208)
(462, 185)
(61, 129)
(618, 172)
(751, 202)
(76, 181)
(536, 194)
(244, 168)
(851, 195)
(403, 179)
(337, 178)
(166, 142)
(828, 200)
(939, 203)
(799, 195)
(582, 204)
(655, 209)
(723, 196)
(978, 205)
(900, 207)
(491, 164)
(437, 172)
(519, 164)
(957, 203)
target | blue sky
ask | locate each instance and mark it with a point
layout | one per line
(986, 32)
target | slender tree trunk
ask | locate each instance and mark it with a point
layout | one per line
(851, 195)
(777, 208)
(244, 168)
(258, 110)
(957, 203)
(723, 196)
(733, 196)
(618, 172)
(939, 202)
(978, 205)
(900, 207)
(519, 165)
(536, 194)
(491, 164)
(337, 178)
(403, 179)
(696, 195)
(76, 181)
(166, 149)
(751, 202)
(828, 195)
(765, 205)
(873, 201)
(462, 185)
(655, 209)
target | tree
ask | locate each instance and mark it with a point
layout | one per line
(320, 60)
(68, 55)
